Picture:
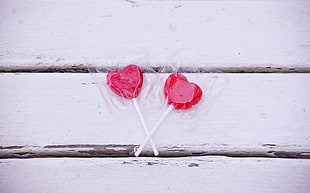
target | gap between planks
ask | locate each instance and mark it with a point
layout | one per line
(113, 150)
(81, 68)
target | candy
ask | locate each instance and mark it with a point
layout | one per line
(180, 93)
(127, 82)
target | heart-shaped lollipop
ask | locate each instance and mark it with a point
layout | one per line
(127, 82)
(180, 93)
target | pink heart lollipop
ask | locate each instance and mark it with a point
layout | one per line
(127, 83)
(181, 95)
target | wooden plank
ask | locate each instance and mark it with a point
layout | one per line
(250, 112)
(216, 36)
(200, 174)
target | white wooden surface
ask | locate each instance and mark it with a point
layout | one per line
(190, 33)
(238, 110)
(50, 115)
(197, 174)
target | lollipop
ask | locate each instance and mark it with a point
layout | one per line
(181, 95)
(127, 83)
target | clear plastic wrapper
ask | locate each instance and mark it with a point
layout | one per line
(152, 99)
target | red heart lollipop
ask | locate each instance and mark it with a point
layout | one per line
(127, 82)
(181, 93)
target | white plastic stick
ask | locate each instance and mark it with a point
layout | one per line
(144, 125)
(162, 118)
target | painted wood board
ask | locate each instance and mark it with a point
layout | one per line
(213, 35)
(192, 174)
(250, 112)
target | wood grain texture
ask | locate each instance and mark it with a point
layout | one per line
(199, 174)
(212, 35)
(243, 111)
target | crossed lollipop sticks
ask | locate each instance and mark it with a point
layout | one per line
(180, 95)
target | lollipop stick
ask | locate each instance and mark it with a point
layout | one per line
(144, 125)
(162, 118)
